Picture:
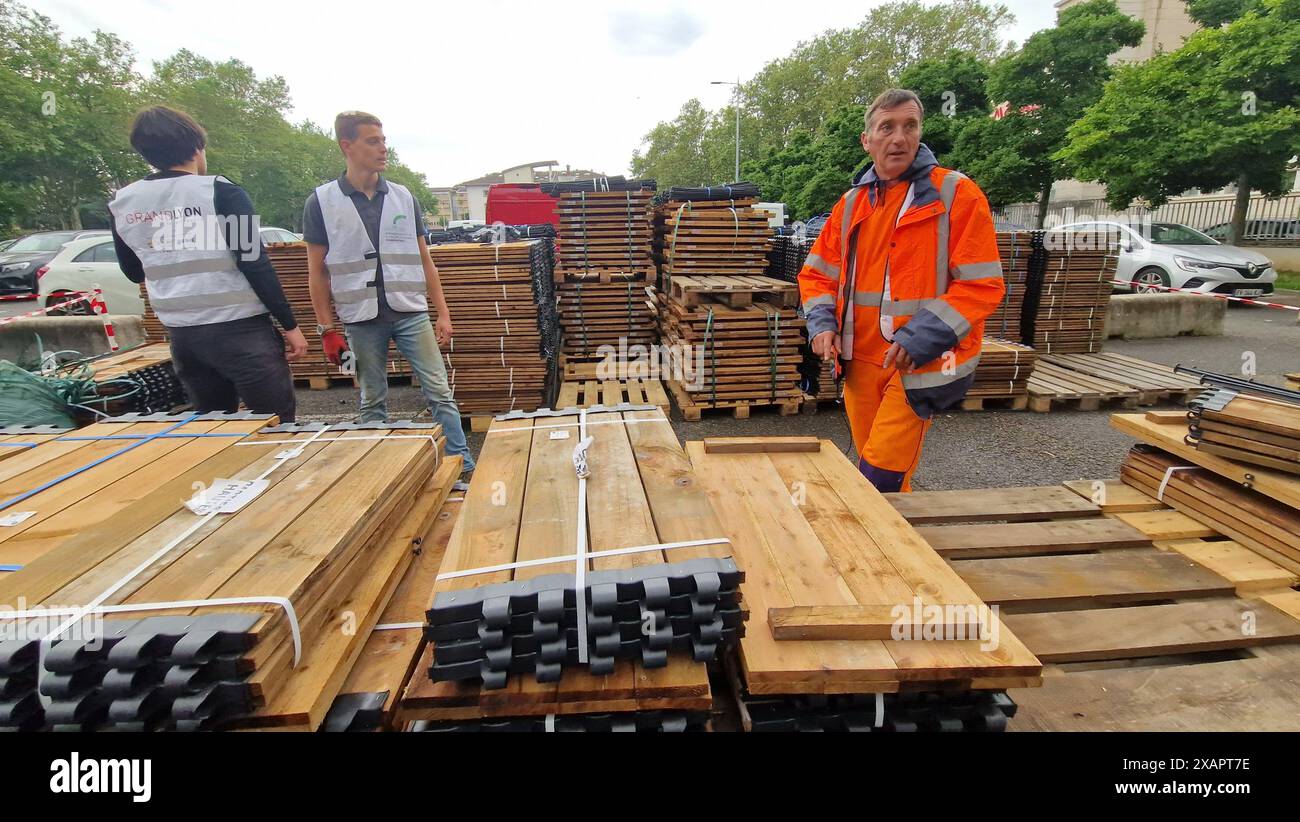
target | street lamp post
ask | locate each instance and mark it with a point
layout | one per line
(736, 95)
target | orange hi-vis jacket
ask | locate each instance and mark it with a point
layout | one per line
(934, 280)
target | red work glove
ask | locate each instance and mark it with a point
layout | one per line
(335, 345)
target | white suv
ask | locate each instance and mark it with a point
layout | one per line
(1157, 256)
(79, 267)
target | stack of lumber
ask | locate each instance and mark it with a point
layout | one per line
(605, 322)
(1022, 256)
(144, 374)
(818, 379)
(502, 309)
(540, 620)
(227, 618)
(1252, 519)
(1003, 374)
(18, 439)
(1085, 381)
(735, 342)
(1069, 305)
(705, 237)
(369, 698)
(604, 236)
(837, 578)
(154, 330)
(1247, 429)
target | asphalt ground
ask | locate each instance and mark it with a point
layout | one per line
(987, 449)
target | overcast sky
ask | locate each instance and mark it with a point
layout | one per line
(469, 88)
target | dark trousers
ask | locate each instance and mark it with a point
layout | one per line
(223, 363)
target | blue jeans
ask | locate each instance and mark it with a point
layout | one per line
(415, 339)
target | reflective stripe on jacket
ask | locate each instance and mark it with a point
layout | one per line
(941, 279)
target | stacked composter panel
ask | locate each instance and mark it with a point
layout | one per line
(710, 232)
(1071, 299)
(1003, 374)
(601, 585)
(1022, 256)
(170, 609)
(603, 267)
(503, 353)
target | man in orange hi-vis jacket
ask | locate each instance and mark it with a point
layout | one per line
(897, 287)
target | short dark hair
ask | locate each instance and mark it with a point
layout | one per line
(345, 125)
(892, 98)
(166, 137)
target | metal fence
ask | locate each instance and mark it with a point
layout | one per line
(1268, 221)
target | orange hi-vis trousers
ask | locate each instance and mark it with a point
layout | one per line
(887, 433)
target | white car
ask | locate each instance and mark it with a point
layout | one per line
(79, 267)
(271, 234)
(1154, 257)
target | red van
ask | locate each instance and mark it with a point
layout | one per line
(520, 204)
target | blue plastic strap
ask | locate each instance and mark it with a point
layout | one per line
(10, 568)
(19, 444)
(180, 436)
(45, 486)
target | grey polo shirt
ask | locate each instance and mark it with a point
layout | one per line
(370, 209)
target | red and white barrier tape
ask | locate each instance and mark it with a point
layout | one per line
(47, 309)
(1247, 300)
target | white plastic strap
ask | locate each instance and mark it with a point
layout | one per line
(399, 626)
(550, 723)
(580, 547)
(880, 710)
(612, 552)
(571, 424)
(1164, 483)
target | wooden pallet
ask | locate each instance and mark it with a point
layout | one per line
(612, 392)
(835, 542)
(998, 403)
(1133, 637)
(1051, 387)
(733, 291)
(789, 405)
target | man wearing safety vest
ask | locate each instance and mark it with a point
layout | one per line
(194, 241)
(898, 286)
(366, 251)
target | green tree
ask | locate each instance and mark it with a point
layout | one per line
(811, 173)
(1223, 109)
(1048, 84)
(953, 90)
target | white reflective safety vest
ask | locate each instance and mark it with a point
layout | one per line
(352, 260)
(189, 270)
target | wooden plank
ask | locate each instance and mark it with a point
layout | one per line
(816, 622)
(1114, 496)
(1256, 694)
(1153, 630)
(1115, 577)
(761, 445)
(1245, 569)
(982, 541)
(1002, 504)
(1167, 525)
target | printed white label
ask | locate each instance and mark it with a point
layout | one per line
(559, 435)
(16, 518)
(226, 496)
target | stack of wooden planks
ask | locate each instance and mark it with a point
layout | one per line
(735, 342)
(838, 582)
(710, 237)
(1247, 429)
(1002, 375)
(248, 613)
(606, 323)
(517, 594)
(604, 236)
(1086, 381)
(18, 439)
(502, 308)
(1071, 301)
(1022, 255)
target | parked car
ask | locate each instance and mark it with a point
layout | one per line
(271, 234)
(1270, 229)
(81, 265)
(1175, 256)
(4, 244)
(20, 262)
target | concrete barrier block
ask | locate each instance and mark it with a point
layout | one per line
(19, 340)
(1150, 316)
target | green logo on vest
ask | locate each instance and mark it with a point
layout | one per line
(398, 217)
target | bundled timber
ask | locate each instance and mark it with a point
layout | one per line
(502, 304)
(735, 342)
(18, 439)
(604, 236)
(1070, 302)
(1247, 429)
(1252, 519)
(224, 616)
(836, 542)
(1022, 257)
(605, 322)
(1003, 374)
(500, 622)
(369, 698)
(707, 237)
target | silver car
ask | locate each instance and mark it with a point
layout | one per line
(1154, 257)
